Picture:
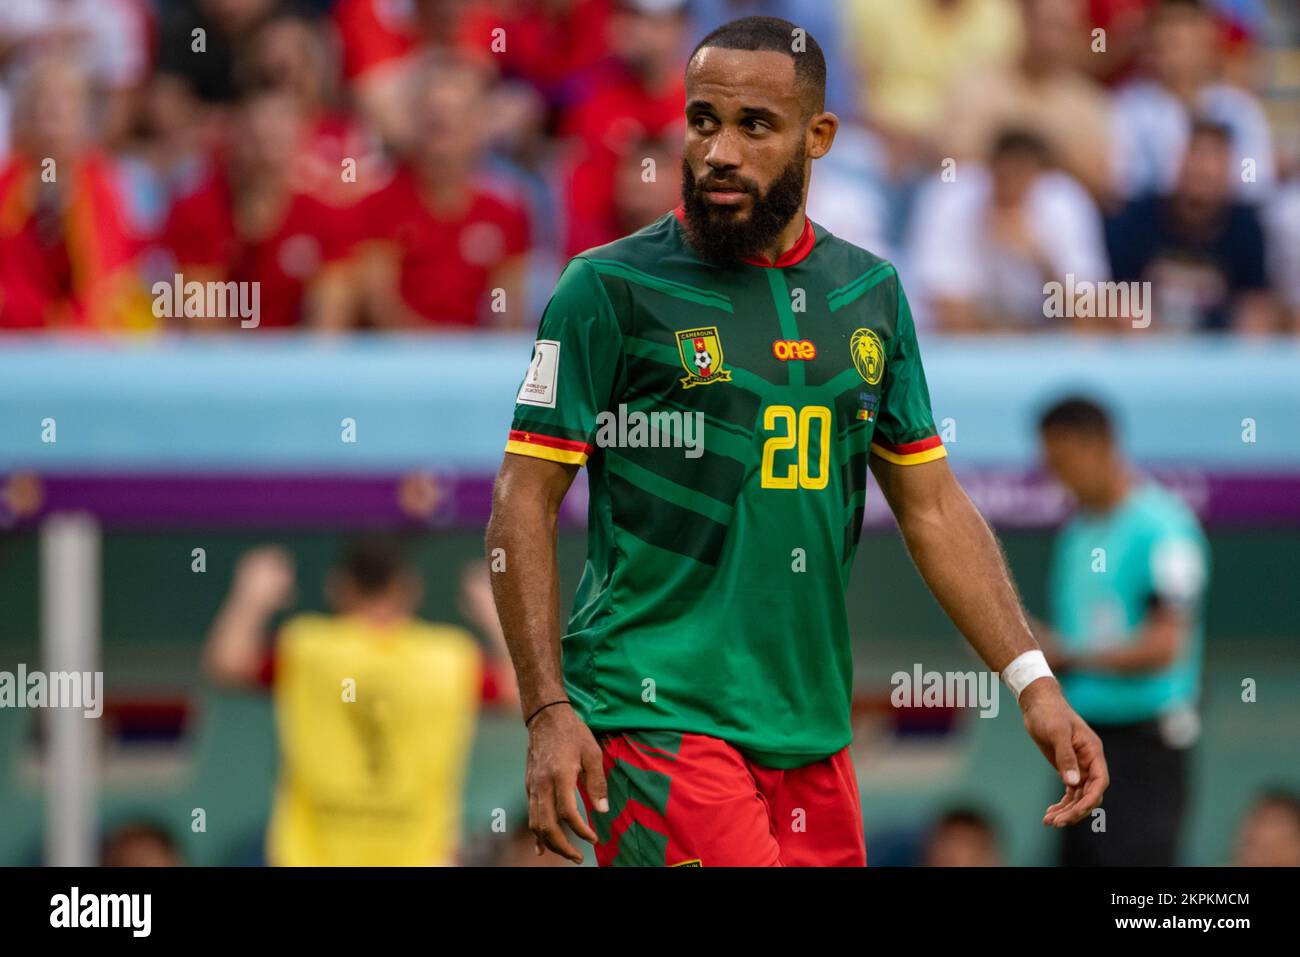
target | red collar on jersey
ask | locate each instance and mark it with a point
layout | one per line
(795, 254)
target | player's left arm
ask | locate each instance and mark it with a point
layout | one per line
(960, 559)
(1158, 643)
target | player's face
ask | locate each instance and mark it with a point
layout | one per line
(743, 126)
(748, 145)
(269, 130)
(1204, 176)
(1082, 463)
(448, 117)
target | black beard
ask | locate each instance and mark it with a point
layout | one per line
(719, 237)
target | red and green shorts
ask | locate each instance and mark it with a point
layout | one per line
(689, 799)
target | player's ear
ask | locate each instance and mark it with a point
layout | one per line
(821, 133)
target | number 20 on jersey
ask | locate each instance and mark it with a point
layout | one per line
(793, 429)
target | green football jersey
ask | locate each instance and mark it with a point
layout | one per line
(725, 416)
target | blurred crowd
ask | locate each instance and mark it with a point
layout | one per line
(1267, 835)
(431, 164)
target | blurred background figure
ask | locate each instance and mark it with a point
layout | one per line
(109, 39)
(1125, 24)
(140, 844)
(162, 159)
(1283, 243)
(1202, 251)
(909, 55)
(21, 495)
(1184, 80)
(962, 837)
(985, 245)
(1269, 834)
(66, 247)
(446, 247)
(375, 709)
(635, 93)
(647, 178)
(200, 41)
(1044, 90)
(1126, 583)
(524, 127)
(338, 161)
(250, 221)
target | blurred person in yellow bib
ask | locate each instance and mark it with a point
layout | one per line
(375, 709)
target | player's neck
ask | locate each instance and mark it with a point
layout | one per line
(444, 189)
(1116, 491)
(784, 242)
(380, 615)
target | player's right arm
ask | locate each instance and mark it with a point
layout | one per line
(577, 369)
(561, 749)
(235, 651)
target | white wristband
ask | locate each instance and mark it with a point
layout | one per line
(1027, 667)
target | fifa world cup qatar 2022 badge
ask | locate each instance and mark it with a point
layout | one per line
(701, 352)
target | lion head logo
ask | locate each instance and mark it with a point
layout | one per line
(868, 355)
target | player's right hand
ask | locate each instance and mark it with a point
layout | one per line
(561, 749)
(265, 577)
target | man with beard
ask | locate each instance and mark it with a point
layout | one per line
(699, 698)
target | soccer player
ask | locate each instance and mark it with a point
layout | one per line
(375, 708)
(1127, 586)
(700, 695)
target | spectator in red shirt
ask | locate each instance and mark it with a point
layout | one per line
(382, 41)
(372, 34)
(338, 161)
(550, 44)
(647, 183)
(446, 250)
(249, 222)
(637, 94)
(1124, 24)
(67, 253)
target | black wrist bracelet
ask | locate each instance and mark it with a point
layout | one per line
(543, 708)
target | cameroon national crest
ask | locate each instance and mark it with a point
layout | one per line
(868, 355)
(701, 351)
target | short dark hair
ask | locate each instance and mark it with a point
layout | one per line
(1077, 414)
(114, 843)
(373, 563)
(1015, 141)
(965, 816)
(1279, 797)
(775, 34)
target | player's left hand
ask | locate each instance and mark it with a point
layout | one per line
(1070, 745)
